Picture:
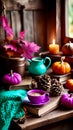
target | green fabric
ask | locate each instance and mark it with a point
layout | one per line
(10, 106)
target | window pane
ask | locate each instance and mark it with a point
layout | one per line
(69, 18)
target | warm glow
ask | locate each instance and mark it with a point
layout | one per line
(54, 48)
(53, 41)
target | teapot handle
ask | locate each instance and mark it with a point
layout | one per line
(48, 62)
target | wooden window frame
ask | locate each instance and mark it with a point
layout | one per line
(64, 38)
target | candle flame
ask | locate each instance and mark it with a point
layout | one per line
(53, 41)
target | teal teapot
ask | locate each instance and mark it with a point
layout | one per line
(37, 65)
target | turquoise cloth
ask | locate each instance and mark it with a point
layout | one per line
(10, 106)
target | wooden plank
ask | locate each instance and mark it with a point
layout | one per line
(22, 2)
(14, 19)
(52, 117)
(8, 15)
(27, 4)
(35, 26)
(16, 22)
(2, 33)
(12, 5)
(40, 28)
(28, 25)
(51, 21)
(58, 22)
(34, 5)
(63, 28)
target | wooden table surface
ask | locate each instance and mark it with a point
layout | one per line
(52, 117)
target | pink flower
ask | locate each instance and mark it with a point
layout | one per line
(18, 47)
(21, 35)
(10, 46)
(29, 49)
(6, 25)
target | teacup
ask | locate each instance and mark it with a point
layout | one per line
(37, 96)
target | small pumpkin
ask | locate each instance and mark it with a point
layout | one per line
(12, 78)
(66, 100)
(69, 84)
(61, 67)
(67, 48)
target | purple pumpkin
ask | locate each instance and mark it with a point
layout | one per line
(12, 78)
(66, 100)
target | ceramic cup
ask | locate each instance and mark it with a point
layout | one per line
(37, 96)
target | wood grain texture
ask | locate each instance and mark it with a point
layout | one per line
(2, 33)
(51, 21)
(39, 18)
(33, 122)
(31, 19)
(40, 28)
(16, 22)
(27, 4)
(11, 5)
(28, 25)
(58, 22)
(52, 117)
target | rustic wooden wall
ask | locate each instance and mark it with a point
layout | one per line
(38, 18)
(29, 17)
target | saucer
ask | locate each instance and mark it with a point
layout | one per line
(27, 101)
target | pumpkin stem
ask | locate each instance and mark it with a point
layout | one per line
(69, 44)
(62, 59)
(71, 94)
(11, 72)
(69, 41)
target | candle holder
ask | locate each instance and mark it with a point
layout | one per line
(54, 57)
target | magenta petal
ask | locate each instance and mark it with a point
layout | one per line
(33, 47)
(28, 55)
(29, 49)
(21, 35)
(10, 46)
(30, 46)
(19, 45)
(5, 25)
(9, 30)
(4, 21)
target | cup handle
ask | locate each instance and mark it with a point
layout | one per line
(48, 60)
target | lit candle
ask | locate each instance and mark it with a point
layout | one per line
(54, 48)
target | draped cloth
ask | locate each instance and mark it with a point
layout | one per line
(11, 106)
